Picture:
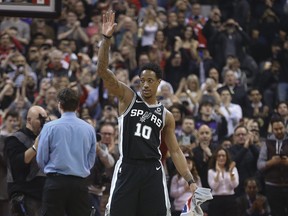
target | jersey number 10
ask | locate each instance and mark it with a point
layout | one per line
(143, 131)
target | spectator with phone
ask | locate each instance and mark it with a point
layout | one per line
(273, 162)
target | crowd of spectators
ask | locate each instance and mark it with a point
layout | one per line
(224, 62)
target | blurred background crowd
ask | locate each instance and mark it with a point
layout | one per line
(224, 62)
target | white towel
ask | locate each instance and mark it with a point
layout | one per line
(192, 206)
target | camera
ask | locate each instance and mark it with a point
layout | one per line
(42, 120)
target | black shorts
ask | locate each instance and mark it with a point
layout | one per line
(139, 188)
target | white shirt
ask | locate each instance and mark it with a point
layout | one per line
(233, 117)
(224, 186)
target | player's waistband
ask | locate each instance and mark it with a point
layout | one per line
(150, 161)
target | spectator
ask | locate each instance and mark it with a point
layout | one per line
(252, 202)
(273, 159)
(267, 81)
(21, 71)
(237, 91)
(8, 44)
(179, 189)
(176, 68)
(98, 177)
(282, 111)
(189, 94)
(7, 94)
(203, 152)
(166, 97)
(245, 155)
(109, 135)
(148, 28)
(73, 30)
(257, 109)
(11, 123)
(93, 29)
(33, 57)
(25, 179)
(21, 27)
(215, 120)
(56, 65)
(211, 27)
(149, 4)
(209, 90)
(282, 87)
(241, 13)
(126, 24)
(21, 104)
(172, 29)
(178, 112)
(232, 63)
(231, 39)
(214, 74)
(39, 25)
(223, 178)
(232, 112)
(83, 12)
(161, 48)
(188, 136)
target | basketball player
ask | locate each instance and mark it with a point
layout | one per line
(139, 185)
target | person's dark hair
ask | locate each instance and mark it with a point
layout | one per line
(251, 179)
(153, 67)
(69, 99)
(178, 106)
(11, 113)
(281, 102)
(189, 117)
(212, 162)
(224, 89)
(254, 89)
(276, 118)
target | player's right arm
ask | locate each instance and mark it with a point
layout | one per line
(114, 86)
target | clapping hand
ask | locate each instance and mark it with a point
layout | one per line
(109, 24)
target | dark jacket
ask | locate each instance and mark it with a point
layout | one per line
(25, 177)
(279, 174)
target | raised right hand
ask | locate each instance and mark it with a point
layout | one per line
(108, 25)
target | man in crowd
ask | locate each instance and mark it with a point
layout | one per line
(66, 153)
(25, 180)
(273, 161)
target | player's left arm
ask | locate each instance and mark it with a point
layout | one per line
(175, 151)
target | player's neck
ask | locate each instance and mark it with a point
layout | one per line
(150, 101)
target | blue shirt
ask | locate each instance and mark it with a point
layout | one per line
(67, 146)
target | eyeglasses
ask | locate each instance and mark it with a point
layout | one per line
(106, 134)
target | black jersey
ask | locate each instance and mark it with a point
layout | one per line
(140, 130)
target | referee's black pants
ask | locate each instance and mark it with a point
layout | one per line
(65, 195)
